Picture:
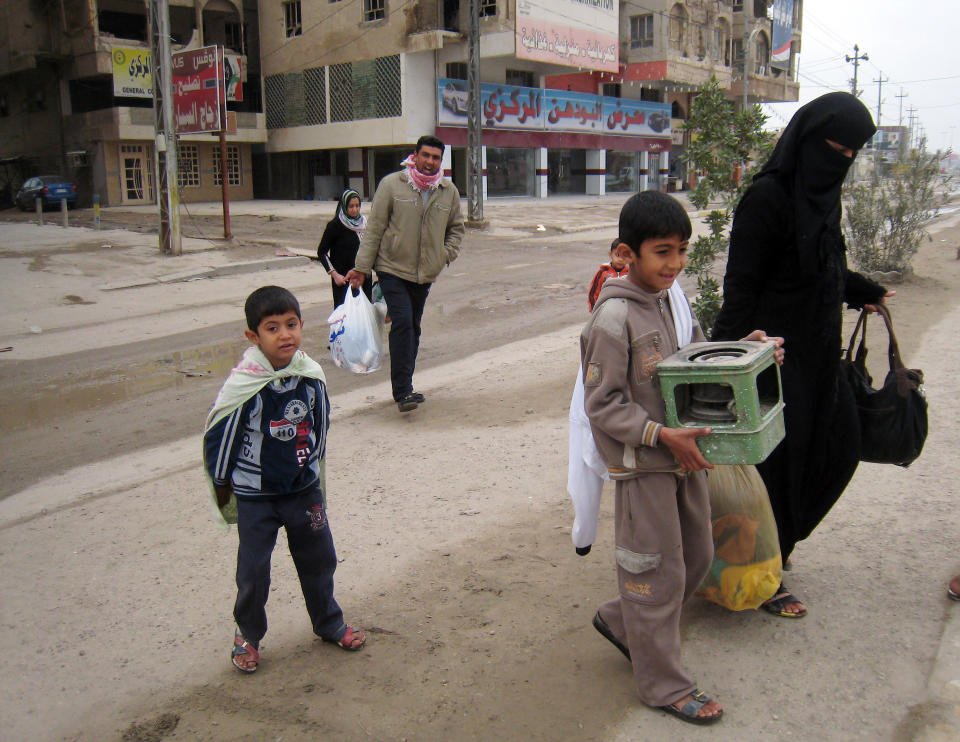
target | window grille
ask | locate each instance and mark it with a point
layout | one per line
(292, 23)
(365, 89)
(233, 166)
(315, 96)
(188, 165)
(488, 8)
(374, 10)
(641, 31)
(523, 78)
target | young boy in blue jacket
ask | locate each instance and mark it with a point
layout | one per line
(264, 450)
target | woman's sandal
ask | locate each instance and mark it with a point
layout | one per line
(352, 640)
(688, 712)
(241, 649)
(777, 605)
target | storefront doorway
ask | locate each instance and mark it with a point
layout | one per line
(136, 174)
(566, 171)
(510, 172)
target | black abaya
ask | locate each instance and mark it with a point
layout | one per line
(791, 283)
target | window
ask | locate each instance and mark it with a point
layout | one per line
(292, 22)
(612, 89)
(641, 30)
(762, 57)
(523, 78)
(188, 165)
(457, 70)
(233, 36)
(374, 10)
(233, 165)
(488, 8)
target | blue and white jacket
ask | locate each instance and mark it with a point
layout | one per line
(272, 444)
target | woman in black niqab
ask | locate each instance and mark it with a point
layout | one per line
(787, 274)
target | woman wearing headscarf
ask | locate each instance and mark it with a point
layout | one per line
(787, 272)
(341, 240)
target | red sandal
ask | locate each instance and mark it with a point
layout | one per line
(242, 648)
(352, 640)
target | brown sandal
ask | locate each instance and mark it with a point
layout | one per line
(241, 649)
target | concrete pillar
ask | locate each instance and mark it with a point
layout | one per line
(664, 170)
(596, 172)
(644, 170)
(355, 170)
(540, 165)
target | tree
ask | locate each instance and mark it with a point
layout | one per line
(886, 216)
(722, 141)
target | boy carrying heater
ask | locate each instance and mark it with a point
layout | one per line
(264, 450)
(663, 536)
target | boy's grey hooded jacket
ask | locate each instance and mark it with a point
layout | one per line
(629, 332)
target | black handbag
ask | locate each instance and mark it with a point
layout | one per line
(893, 419)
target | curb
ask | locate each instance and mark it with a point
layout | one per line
(231, 269)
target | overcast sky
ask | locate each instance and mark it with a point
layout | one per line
(914, 44)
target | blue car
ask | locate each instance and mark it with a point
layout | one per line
(51, 188)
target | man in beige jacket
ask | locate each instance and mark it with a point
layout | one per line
(413, 232)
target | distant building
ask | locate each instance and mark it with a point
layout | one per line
(351, 84)
(75, 96)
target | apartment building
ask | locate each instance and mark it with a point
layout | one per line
(76, 96)
(349, 86)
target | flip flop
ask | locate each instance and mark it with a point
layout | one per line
(778, 603)
(242, 647)
(688, 712)
(352, 640)
(600, 625)
(952, 595)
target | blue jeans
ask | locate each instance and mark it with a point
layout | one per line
(311, 545)
(405, 301)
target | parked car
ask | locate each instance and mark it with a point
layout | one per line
(455, 97)
(51, 188)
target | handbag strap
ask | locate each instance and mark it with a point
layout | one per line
(861, 327)
(893, 349)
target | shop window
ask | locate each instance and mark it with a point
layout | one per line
(522, 78)
(641, 30)
(233, 166)
(374, 10)
(457, 70)
(623, 171)
(292, 22)
(510, 171)
(188, 165)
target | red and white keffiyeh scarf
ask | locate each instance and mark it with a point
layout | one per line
(420, 181)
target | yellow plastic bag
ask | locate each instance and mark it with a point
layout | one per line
(746, 567)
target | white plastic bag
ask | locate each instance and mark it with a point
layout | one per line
(355, 342)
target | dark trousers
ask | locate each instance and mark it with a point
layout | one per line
(311, 546)
(405, 301)
(340, 292)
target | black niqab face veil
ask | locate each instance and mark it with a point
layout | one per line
(813, 170)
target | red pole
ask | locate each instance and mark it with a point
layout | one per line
(224, 187)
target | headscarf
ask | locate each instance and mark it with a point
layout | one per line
(360, 222)
(420, 181)
(813, 170)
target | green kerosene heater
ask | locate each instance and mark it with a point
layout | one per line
(732, 388)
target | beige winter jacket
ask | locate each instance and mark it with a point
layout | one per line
(629, 332)
(407, 239)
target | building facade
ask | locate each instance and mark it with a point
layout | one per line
(76, 97)
(349, 86)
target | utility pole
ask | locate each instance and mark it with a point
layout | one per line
(911, 116)
(168, 201)
(901, 95)
(880, 82)
(857, 58)
(474, 121)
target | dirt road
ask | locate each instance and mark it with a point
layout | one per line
(452, 527)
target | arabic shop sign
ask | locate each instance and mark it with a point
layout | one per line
(576, 33)
(196, 90)
(132, 72)
(512, 107)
